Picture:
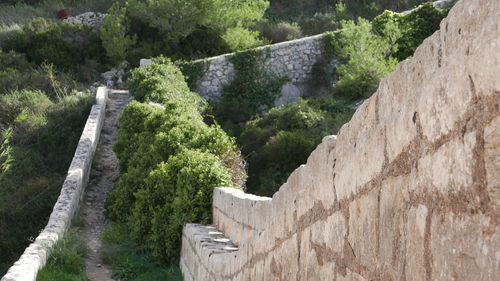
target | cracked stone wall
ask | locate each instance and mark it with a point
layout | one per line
(408, 190)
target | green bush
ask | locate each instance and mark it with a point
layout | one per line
(278, 32)
(415, 26)
(278, 142)
(170, 160)
(61, 43)
(239, 38)
(176, 192)
(367, 57)
(249, 93)
(161, 83)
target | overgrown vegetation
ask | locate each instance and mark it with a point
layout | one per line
(130, 261)
(371, 51)
(280, 141)
(66, 260)
(250, 92)
(170, 161)
(42, 146)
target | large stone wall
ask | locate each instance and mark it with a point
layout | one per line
(408, 190)
(293, 59)
(35, 256)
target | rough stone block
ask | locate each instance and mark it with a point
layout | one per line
(492, 159)
(415, 259)
(362, 229)
(464, 247)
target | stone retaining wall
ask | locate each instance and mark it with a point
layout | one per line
(408, 190)
(293, 59)
(35, 256)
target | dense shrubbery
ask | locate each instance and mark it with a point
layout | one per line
(63, 44)
(278, 142)
(366, 56)
(170, 160)
(414, 27)
(43, 145)
(250, 92)
(371, 51)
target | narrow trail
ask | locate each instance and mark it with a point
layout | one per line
(103, 177)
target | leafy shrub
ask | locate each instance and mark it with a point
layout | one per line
(113, 34)
(176, 192)
(278, 32)
(170, 160)
(163, 82)
(278, 142)
(414, 26)
(239, 38)
(251, 90)
(366, 55)
(61, 43)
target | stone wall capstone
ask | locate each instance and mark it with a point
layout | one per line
(408, 190)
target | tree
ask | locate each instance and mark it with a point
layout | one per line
(367, 56)
(113, 34)
(176, 19)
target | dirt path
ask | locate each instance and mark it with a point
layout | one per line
(103, 177)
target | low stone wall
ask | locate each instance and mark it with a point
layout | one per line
(240, 216)
(35, 256)
(408, 190)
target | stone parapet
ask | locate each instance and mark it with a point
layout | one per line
(408, 190)
(240, 215)
(36, 254)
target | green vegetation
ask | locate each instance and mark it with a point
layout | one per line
(250, 92)
(367, 57)
(67, 46)
(113, 34)
(371, 51)
(170, 161)
(131, 262)
(414, 27)
(42, 146)
(66, 260)
(278, 142)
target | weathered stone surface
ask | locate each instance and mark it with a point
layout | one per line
(415, 260)
(470, 252)
(392, 230)
(363, 229)
(492, 159)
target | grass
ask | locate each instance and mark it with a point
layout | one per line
(129, 261)
(66, 261)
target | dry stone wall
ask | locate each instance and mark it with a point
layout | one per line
(35, 256)
(408, 190)
(293, 59)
